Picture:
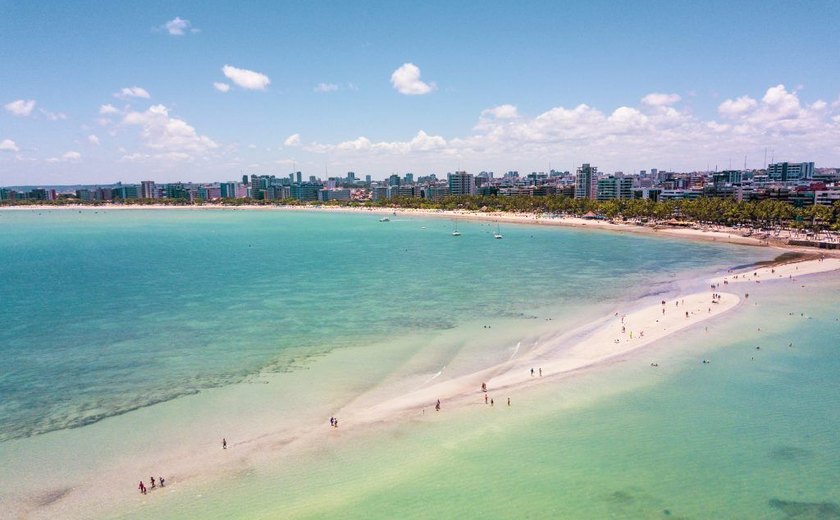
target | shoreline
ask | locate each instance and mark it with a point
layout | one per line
(559, 359)
(597, 344)
(720, 235)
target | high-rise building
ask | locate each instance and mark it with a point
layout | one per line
(408, 179)
(461, 183)
(615, 187)
(394, 180)
(148, 190)
(785, 171)
(299, 177)
(245, 180)
(586, 182)
(227, 190)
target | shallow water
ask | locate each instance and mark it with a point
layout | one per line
(750, 435)
(108, 311)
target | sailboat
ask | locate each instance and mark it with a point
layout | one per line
(456, 233)
(498, 234)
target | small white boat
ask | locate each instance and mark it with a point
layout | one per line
(456, 233)
(384, 219)
(498, 234)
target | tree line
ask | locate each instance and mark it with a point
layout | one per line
(768, 214)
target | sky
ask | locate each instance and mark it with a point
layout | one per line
(99, 92)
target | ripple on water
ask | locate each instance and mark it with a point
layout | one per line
(807, 510)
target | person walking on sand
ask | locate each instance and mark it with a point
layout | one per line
(540, 371)
(142, 488)
(224, 443)
(485, 398)
(152, 479)
(532, 372)
(437, 405)
(508, 401)
(491, 402)
(160, 479)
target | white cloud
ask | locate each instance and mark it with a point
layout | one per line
(108, 109)
(92, 139)
(247, 79)
(54, 116)
(252, 147)
(657, 99)
(178, 27)
(132, 92)
(7, 145)
(422, 142)
(734, 107)
(325, 87)
(652, 134)
(221, 87)
(501, 112)
(66, 157)
(292, 140)
(406, 80)
(20, 107)
(162, 132)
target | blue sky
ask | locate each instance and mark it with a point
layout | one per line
(101, 92)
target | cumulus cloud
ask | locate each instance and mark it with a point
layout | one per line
(108, 110)
(165, 133)
(406, 80)
(735, 107)
(501, 112)
(20, 107)
(652, 134)
(7, 145)
(178, 27)
(53, 116)
(422, 142)
(70, 156)
(247, 79)
(657, 99)
(325, 87)
(292, 140)
(92, 139)
(132, 92)
(221, 87)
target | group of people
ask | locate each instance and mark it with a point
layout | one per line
(334, 422)
(143, 489)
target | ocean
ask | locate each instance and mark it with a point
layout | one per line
(131, 335)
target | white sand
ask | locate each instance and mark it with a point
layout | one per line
(784, 271)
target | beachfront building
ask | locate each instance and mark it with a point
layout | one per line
(785, 171)
(326, 195)
(227, 190)
(148, 190)
(461, 183)
(615, 187)
(586, 179)
(305, 191)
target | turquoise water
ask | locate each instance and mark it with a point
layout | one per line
(104, 312)
(751, 435)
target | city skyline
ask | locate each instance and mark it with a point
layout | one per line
(207, 92)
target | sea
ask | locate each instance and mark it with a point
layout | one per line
(132, 338)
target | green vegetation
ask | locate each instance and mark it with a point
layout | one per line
(768, 215)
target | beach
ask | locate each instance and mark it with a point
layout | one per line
(397, 392)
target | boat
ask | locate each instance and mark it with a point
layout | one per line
(498, 234)
(384, 219)
(456, 233)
